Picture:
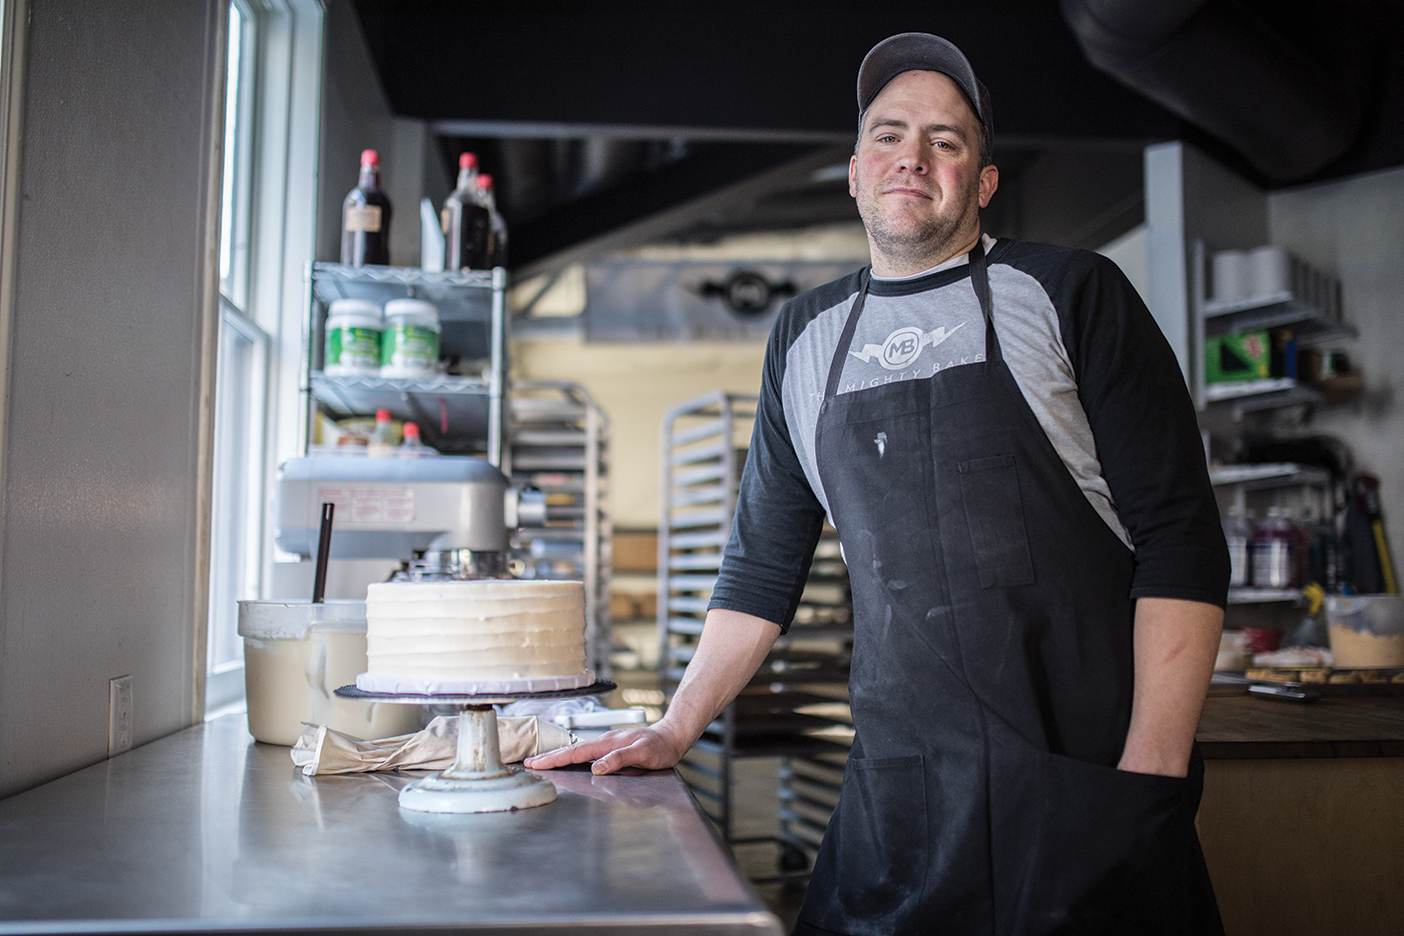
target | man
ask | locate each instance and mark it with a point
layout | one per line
(1004, 442)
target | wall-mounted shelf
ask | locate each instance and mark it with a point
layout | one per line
(1250, 396)
(1270, 475)
(1313, 314)
(1309, 323)
(1238, 596)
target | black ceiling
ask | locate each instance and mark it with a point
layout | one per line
(757, 65)
(737, 86)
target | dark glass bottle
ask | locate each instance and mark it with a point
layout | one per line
(497, 252)
(365, 218)
(466, 221)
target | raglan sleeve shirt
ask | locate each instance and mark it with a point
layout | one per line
(1138, 409)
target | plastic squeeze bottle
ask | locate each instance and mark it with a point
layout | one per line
(382, 439)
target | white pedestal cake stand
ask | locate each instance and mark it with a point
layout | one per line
(478, 781)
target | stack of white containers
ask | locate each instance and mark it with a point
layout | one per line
(362, 341)
(1271, 274)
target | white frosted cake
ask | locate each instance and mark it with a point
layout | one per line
(491, 635)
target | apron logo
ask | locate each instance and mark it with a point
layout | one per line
(881, 441)
(903, 346)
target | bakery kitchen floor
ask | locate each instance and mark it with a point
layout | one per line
(754, 801)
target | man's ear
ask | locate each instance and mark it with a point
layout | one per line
(853, 176)
(989, 183)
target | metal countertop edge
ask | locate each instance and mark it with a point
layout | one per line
(699, 922)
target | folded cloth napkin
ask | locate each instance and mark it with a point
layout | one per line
(323, 750)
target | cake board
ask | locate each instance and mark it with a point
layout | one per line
(477, 781)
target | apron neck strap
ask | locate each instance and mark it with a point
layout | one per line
(980, 282)
(846, 337)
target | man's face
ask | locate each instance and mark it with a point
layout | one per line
(916, 173)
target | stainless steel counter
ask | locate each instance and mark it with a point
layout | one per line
(207, 830)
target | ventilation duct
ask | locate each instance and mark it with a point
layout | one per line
(1218, 66)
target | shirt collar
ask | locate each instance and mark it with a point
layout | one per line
(956, 261)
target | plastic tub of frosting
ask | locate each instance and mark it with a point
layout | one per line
(296, 654)
(1365, 630)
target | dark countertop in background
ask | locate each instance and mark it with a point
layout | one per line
(1236, 725)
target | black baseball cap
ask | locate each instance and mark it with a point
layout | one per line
(915, 51)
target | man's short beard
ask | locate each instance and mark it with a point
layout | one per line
(932, 237)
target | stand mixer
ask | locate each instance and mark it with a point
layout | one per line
(446, 517)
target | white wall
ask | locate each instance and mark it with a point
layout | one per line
(108, 399)
(1129, 252)
(1354, 228)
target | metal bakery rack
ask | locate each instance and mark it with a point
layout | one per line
(795, 708)
(558, 443)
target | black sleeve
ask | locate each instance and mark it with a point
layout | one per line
(1147, 436)
(778, 519)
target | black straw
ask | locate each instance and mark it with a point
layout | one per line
(319, 584)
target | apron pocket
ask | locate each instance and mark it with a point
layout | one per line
(1118, 854)
(876, 844)
(995, 514)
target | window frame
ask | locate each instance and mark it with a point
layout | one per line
(272, 229)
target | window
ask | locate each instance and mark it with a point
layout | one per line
(239, 413)
(238, 127)
(266, 239)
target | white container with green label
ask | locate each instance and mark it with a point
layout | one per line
(353, 338)
(410, 344)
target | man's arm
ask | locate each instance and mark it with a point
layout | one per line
(732, 648)
(1176, 642)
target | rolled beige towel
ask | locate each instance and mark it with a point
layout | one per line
(323, 750)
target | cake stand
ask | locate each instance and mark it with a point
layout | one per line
(478, 781)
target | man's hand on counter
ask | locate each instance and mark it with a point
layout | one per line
(732, 648)
(652, 748)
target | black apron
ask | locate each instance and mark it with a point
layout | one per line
(991, 681)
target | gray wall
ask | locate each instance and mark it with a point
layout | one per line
(356, 116)
(1354, 228)
(1190, 197)
(105, 480)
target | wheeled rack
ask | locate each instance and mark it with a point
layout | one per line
(795, 708)
(558, 443)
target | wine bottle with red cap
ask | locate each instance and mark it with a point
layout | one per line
(365, 218)
(497, 252)
(466, 221)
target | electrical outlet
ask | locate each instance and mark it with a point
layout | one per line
(119, 715)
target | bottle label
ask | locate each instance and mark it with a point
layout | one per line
(1272, 564)
(362, 218)
(353, 347)
(410, 347)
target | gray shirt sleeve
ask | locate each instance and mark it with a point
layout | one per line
(778, 518)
